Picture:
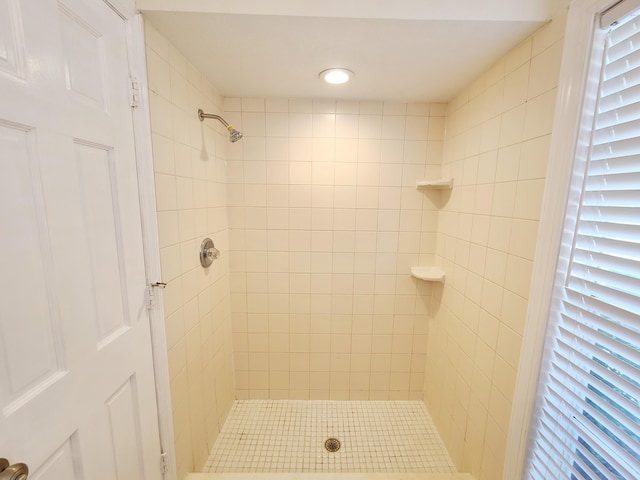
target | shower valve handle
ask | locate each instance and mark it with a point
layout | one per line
(208, 252)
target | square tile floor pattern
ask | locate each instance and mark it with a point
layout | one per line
(289, 436)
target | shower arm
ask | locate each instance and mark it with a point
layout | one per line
(202, 116)
(234, 135)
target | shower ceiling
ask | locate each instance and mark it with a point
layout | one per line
(405, 50)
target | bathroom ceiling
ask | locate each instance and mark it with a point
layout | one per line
(405, 50)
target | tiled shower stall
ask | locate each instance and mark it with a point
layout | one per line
(319, 222)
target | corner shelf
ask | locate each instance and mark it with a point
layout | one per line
(440, 184)
(428, 274)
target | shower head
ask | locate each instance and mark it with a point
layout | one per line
(234, 135)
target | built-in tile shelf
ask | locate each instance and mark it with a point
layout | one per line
(439, 184)
(428, 274)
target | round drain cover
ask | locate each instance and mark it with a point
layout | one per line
(332, 444)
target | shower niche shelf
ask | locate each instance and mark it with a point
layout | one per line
(439, 184)
(428, 274)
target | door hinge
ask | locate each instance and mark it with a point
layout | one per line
(134, 86)
(165, 464)
(150, 295)
(150, 298)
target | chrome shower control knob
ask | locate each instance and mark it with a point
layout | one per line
(208, 252)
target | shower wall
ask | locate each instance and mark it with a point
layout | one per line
(190, 176)
(497, 149)
(325, 223)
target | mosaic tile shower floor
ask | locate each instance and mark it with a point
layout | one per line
(289, 435)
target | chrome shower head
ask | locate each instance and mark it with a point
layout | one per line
(234, 135)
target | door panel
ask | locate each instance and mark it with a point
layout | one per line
(83, 57)
(64, 463)
(124, 427)
(98, 197)
(11, 45)
(77, 395)
(34, 317)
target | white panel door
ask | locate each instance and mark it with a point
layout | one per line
(77, 396)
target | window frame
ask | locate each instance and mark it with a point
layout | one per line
(573, 120)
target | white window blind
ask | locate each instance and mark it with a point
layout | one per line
(587, 416)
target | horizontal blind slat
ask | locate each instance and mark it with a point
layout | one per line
(612, 281)
(603, 294)
(613, 182)
(625, 233)
(620, 248)
(627, 198)
(603, 237)
(618, 148)
(623, 300)
(620, 215)
(623, 164)
(604, 261)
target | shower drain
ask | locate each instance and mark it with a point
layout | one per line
(332, 444)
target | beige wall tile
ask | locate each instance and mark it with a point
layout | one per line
(516, 86)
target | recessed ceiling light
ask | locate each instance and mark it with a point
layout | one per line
(336, 76)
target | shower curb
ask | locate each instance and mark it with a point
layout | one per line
(329, 476)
